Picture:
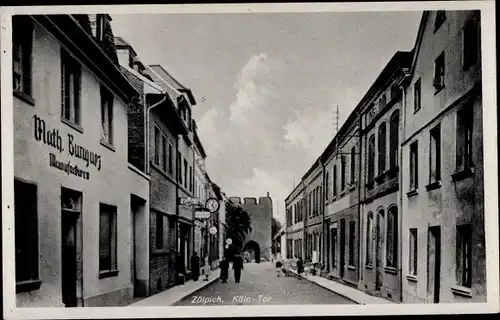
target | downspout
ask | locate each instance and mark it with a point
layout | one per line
(400, 220)
(360, 264)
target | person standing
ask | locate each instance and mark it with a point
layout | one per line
(278, 267)
(300, 266)
(224, 269)
(195, 266)
(206, 269)
(237, 267)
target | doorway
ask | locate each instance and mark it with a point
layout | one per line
(71, 248)
(137, 208)
(379, 245)
(333, 239)
(342, 248)
(434, 264)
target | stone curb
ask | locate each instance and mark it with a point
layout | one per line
(206, 283)
(331, 290)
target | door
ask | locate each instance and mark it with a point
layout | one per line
(379, 245)
(333, 240)
(434, 264)
(342, 248)
(69, 259)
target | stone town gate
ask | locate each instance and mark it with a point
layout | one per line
(261, 214)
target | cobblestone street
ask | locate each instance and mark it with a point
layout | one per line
(260, 285)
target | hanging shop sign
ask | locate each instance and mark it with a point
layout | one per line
(202, 214)
(52, 138)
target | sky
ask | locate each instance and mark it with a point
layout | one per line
(267, 84)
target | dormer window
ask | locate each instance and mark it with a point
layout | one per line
(440, 18)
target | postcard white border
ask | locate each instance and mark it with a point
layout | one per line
(490, 161)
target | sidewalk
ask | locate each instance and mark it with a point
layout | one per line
(353, 294)
(175, 294)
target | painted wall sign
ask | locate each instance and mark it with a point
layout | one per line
(53, 138)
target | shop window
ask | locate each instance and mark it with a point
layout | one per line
(106, 116)
(394, 140)
(413, 252)
(464, 255)
(414, 166)
(107, 238)
(369, 240)
(70, 89)
(392, 238)
(381, 148)
(435, 154)
(22, 47)
(352, 242)
(471, 42)
(439, 70)
(26, 236)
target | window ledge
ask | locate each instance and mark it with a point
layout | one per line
(391, 270)
(334, 198)
(28, 285)
(108, 274)
(73, 125)
(416, 110)
(461, 291)
(342, 194)
(108, 145)
(411, 278)
(369, 266)
(438, 89)
(351, 267)
(461, 174)
(352, 186)
(25, 97)
(433, 185)
(412, 193)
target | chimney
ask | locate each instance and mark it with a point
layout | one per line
(268, 194)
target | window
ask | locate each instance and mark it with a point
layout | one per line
(26, 232)
(369, 243)
(382, 101)
(159, 231)
(22, 46)
(106, 115)
(353, 165)
(352, 236)
(327, 189)
(464, 136)
(464, 255)
(70, 88)
(334, 180)
(190, 178)
(417, 95)
(381, 148)
(394, 91)
(107, 238)
(342, 173)
(321, 199)
(414, 166)
(440, 18)
(157, 145)
(179, 167)
(394, 140)
(413, 252)
(164, 153)
(185, 173)
(392, 238)
(170, 157)
(334, 246)
(371, 158)
(310, 205)
(435, 154)
(439, 73)
(471, 42)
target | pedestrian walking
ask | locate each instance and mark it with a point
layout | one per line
(206, 269)
(278, 267)
(195, 266)
(237, 267)
(300, 266)
(224, 269)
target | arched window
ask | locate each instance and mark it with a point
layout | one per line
(369, 242)
(371, 158)
(381, 148)
(394, 140)
(392, 238)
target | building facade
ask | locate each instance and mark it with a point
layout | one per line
(380, 111)
(443, 239)
(295, 207)
(313, 219)
(76, 196)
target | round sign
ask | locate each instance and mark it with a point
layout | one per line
(213, 230)
(229, 241)
(212, 205)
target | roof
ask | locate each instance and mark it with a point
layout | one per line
(168, 77)
(418, 41)
(67, 30)
(199, 145)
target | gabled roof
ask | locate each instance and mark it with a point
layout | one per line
(418, 41)
(168, 77)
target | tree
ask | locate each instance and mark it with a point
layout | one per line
(238, 225)
(275, 229)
